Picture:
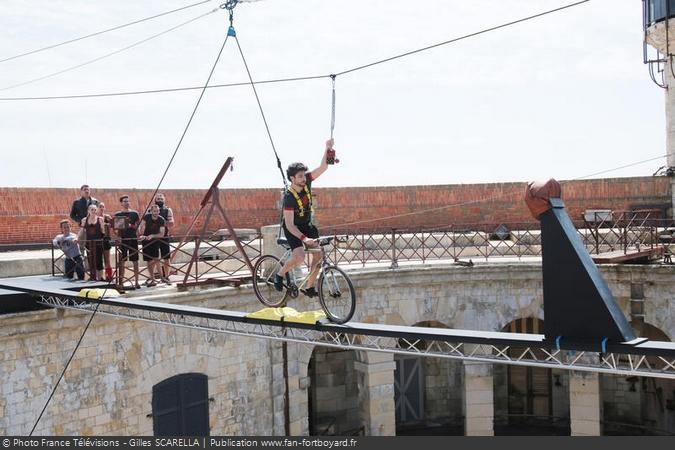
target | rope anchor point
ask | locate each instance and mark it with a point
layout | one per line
(229, 5)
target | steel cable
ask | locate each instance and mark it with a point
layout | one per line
(354, 69)
(107, 55)
(262, 113)
(151, 199)
(103, 31)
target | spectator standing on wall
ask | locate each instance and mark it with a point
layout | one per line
(107, 245)
(67, 241)
(94, 226)
(164, 247)
(80, 206)
(126, 224)
(150, 233)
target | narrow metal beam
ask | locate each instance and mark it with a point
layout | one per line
(640, 358)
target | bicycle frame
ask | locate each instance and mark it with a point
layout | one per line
(303, 280)
(331, 287)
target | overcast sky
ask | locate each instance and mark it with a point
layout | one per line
(565, 95)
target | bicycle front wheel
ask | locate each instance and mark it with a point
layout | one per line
(337, 295)
(264, 272)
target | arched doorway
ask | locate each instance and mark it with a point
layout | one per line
(428, 393)
(180, 406)
(333, 393)
(530, 400)
(639, 405)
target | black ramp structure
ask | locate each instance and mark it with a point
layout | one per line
(578, 305)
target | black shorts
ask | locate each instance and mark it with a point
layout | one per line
(129, 249)
(308, 230)
(150, 250)
(164, 248)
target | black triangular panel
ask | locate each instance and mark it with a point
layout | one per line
(578, 304)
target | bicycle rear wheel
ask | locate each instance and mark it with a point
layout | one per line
(337, 295)
(264, 272)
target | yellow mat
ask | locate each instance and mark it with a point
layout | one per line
(288, 315)
(98, 293)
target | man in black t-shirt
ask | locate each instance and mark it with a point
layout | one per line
(164, 246)
(78, 210)
(150, 232)
(298, 226)
(125, 223)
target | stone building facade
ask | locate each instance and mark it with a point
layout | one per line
(108, 388)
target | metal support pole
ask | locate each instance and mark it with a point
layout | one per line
(394, 262)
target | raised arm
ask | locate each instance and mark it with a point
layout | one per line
(316, 173)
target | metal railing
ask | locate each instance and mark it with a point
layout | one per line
(214, 260)
(622, 232)
(625, 230)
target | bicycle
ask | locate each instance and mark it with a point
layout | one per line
(335, 288)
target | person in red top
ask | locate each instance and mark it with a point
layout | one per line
(298, 222)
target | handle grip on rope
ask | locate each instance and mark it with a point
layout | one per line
(330, 157)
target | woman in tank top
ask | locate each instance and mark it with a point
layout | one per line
(94, 230)
(107, 244)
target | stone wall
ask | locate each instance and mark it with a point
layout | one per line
(108, 387)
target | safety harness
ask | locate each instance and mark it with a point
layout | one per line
(301, 207)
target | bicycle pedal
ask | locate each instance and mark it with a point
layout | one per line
(310, 294)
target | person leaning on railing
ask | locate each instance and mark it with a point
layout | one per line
(67, 241)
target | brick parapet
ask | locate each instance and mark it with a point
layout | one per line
(32, 214)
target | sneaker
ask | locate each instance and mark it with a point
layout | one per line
(137, 286)
(310, 292)
(278, 283)
(166, 280)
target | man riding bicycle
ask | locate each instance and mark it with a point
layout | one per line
(298, 225)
